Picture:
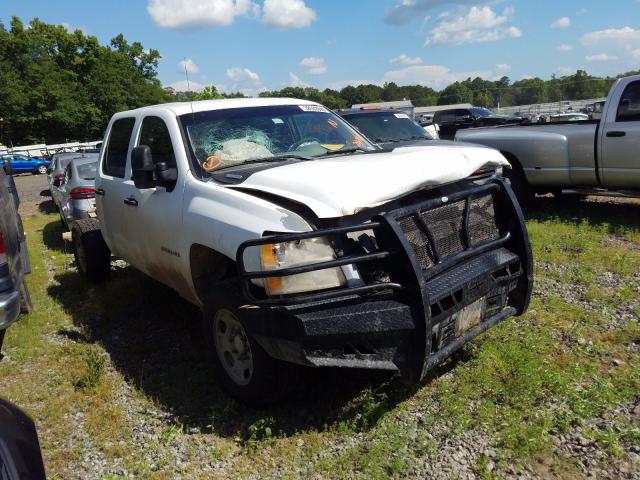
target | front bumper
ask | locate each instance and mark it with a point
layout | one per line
(419, 315)
(9, 308)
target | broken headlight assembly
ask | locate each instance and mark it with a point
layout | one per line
(278, 256)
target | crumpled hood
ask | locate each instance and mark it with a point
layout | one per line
(344, 185)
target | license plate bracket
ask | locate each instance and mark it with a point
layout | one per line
(470, 316)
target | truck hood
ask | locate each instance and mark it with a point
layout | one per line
(344, 185)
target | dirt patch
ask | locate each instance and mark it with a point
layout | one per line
(34, 194)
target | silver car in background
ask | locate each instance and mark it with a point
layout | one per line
(76, 193)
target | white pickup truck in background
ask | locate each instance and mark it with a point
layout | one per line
(303, 243)
(590, 157)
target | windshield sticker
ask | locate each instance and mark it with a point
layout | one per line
(357, 141)
(277, 120)
(332, 122)
(401, 115)
(313, 108)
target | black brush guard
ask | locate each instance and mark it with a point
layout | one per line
(439, 256)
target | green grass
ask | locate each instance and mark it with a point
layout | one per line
(90, 362)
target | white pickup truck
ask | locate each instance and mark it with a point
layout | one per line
(588, 157)
(302, 242)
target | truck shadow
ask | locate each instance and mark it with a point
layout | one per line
(153, 339)
(617, 214)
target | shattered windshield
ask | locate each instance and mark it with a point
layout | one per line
(229, 137)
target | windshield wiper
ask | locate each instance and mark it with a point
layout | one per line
(342, 150)
(275, 158)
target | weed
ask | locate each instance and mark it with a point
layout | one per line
(93, 372)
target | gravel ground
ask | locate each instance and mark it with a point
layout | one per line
(35, 196)
(456, 454)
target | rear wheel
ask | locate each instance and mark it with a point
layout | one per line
(42, 169)
(242, 366)
(91, 253)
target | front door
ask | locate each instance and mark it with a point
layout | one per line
(156, 213)
(619, 152)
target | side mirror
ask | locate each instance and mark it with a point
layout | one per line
(142, 167)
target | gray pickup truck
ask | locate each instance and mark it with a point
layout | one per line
(14, 258)
(590, 157)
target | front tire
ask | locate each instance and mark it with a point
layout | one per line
(42, 169)
(91, 253)
(520, 185)
(242, 366)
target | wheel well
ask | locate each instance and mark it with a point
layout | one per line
(208, 267)
(513, 160)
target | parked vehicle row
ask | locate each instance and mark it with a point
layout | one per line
(450, 121)
(588, 157)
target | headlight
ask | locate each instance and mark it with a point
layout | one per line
(275, 256)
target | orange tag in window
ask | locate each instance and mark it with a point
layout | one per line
(332, 122)
(357, 141)
(211, 163)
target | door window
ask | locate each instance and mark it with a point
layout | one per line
(155, 134)
(629, 107)
(115, 155)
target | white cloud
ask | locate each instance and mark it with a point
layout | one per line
(621, 36)
(503, 67)
(565, 70)
(314, 65)
(636, 54)
(600, 57)
(480, 24)
(188, 65)
(434, 76)
(405, 60)
(183, 86)
(295, 81)
(243, 80)
(406, 11)
(562, 22)
(564, 47)
(285, 14)
(198, 13)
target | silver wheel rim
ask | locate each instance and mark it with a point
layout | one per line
(42, 169)
(232, 347)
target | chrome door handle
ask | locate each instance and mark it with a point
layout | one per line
(131, 201)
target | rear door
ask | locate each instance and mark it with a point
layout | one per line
(619, 151)
(156, 213)
(114, 184)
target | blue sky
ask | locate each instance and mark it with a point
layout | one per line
(252, 45)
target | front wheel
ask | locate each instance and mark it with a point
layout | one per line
(242, 366)
(42, 169)
(520, 185)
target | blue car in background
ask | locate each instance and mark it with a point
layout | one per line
(24, 164)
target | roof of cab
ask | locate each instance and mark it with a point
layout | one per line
(181, 108)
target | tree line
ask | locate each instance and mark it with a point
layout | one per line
(57, 85)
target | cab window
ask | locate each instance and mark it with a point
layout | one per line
(629, 107)
(155, 134)
(115, 154)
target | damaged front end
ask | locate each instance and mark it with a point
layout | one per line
(432, 271)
